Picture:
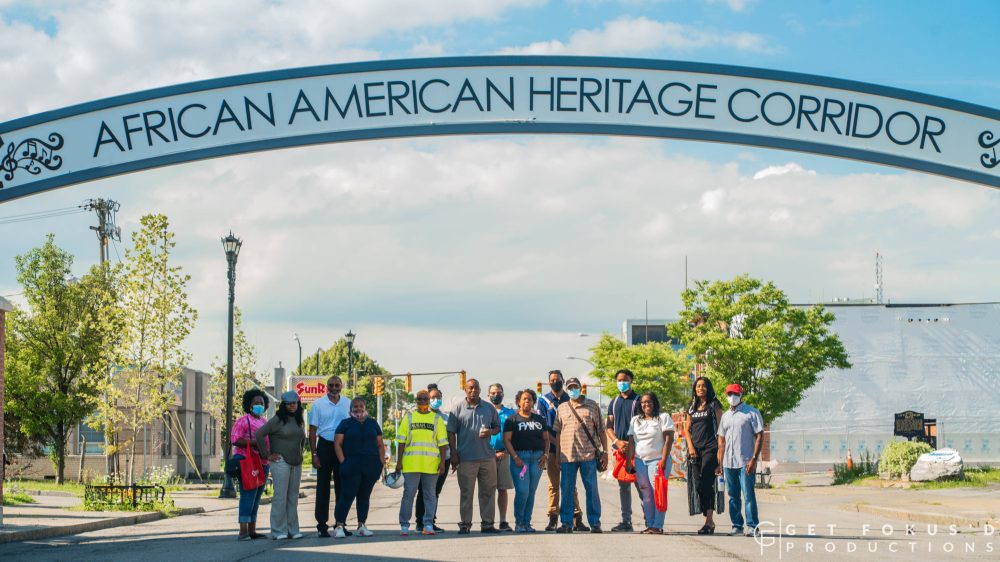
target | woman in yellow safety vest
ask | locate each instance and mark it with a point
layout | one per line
(423, 439)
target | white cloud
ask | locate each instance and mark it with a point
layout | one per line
(711, 200)
(642, 35)
(790, 168)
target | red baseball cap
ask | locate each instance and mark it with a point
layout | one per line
(734, 389)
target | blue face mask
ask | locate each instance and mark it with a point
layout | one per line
(258, 410)
(436, 404)
(623, 386)
(574, 393)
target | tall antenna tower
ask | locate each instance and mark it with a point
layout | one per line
(879, 287)
(106, 228)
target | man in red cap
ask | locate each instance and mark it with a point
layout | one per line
(741, 433)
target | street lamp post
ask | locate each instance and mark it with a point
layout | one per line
(231, 245)
(349, 338)
(600, 393)
(296, 338)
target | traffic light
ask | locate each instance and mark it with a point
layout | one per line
(409, 382)
(538, 388)
(379, 386)
(583, 390)
(461, 379)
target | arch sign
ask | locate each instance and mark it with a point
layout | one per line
(499, 95)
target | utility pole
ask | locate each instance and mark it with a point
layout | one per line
(106, 229)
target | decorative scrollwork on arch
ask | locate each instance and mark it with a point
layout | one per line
(986, 140)
(30, 155)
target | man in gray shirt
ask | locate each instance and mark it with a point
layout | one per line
(471, 423)
(741, 432)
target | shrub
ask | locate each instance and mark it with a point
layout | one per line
(866, 465)
(900, 456)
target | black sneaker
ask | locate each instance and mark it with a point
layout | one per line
(463, 530)
(564, 529)
(438, 529)
(505, 527)
(580, 526)
(348, 533)
(596, 529)
(489, 530)
(622, 527)
(324, 533)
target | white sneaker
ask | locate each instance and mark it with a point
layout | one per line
(404, 530)
(278, 537)
(297, 536)
(363, 531)
(339, 533)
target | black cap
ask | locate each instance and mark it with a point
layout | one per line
(573, 381)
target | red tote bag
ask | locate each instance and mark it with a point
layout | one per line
(252, 472)
(620, 472)
(660, 484)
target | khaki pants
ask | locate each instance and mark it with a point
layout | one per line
(552, 467)
(485, 473)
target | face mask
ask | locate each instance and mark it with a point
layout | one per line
(557, 386)
(574, 393)
(360, 417)
(623, 386)
(436, 403)
(258, 410)
(496, 399)
(734, 399)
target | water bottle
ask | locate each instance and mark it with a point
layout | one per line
(720, 494)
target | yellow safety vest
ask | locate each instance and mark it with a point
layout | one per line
(423, 435)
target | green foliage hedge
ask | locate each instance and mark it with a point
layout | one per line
(900, 456)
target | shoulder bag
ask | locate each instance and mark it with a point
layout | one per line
(602, 456)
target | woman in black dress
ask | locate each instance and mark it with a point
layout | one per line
(701, 424)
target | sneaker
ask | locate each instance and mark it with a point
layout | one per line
(596, 529)
(737, 531)
(296, 536)
(428, 530)
(404, 530)
(553, 523)
(339, 532)
(579, 526)
(324, 533)
(489, 530)
(244, 538)
(622, 527)
(278, 537)
(751, 532)
(529, 529)
(438, 529)
(363, 531)
(463, 529)
(505, 527)
(564, 529)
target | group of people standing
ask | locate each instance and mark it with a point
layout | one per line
(493, 449)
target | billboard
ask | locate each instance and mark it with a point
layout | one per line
(309, 389)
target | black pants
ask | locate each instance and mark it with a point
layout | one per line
(359, 474)
(420, 495)
(704, 478)
(328, 465)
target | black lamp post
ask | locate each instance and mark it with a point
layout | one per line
(231, 245)
(349, 338)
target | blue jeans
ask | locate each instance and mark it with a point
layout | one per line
(645, 476)
(739, 482)
(250, 501)
(567, 486)
(524, 488)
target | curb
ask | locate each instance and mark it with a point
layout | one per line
(75, 529)
(919, 516)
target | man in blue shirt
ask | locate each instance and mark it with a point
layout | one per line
(621, 410)
(547, 406)
(505, 480)
(741, 434)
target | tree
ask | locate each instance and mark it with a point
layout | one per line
(656, 366)
(153, 319)
(55, 350)
(745, 331)
(245, 375)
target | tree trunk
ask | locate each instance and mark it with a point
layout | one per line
(60, 452)
(131, 460)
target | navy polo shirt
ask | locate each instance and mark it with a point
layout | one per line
(623, 409)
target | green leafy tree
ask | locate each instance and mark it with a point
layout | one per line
(656, 366)
(245, 375)
(745, 331)
(153, 320)
(55, 348)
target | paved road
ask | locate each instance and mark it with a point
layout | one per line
(211, 536)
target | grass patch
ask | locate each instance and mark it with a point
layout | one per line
(74, 488)
(974, 478)
(17, 498)
(793, 481)
(866, 466)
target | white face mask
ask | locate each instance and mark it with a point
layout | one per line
(734, 399)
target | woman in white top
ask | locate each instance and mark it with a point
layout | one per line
(651, 435)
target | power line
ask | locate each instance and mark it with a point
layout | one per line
(41, 215)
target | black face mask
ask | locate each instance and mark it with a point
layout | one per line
(498, 399)
(557, 386)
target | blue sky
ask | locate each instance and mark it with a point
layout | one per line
(492, 253)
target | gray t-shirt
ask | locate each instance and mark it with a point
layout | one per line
(739, 427)
(464, 420)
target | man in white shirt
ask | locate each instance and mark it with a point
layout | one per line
(324, 417)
